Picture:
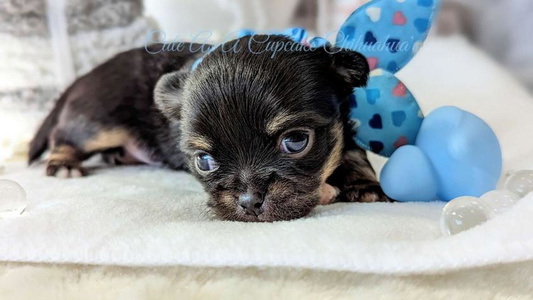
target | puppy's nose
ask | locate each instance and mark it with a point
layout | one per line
(252, 203)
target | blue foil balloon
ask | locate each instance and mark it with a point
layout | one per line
(389, 33)
(385, 113)
(456, 154)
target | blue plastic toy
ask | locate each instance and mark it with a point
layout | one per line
(456, 154)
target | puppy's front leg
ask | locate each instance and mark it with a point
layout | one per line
(356, 180)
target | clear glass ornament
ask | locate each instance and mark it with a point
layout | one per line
(520, 182)
(466, 212)
(499, 201)
(463, 213)
(12, 198)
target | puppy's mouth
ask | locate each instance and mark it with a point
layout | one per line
(273, 208)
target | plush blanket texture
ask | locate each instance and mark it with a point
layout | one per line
(42, 281)
(140, 216)
(146, 216)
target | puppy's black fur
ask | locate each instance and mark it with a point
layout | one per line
(236, 113)
(111, 108)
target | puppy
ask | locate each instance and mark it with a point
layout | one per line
(267, 133)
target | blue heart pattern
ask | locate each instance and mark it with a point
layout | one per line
(387, 113)
(421, 25)
(370, 39)
(376, 146)
(425, 3)
(393, 45)
(376, 122)
(392, 67)
(372, 95)
(348, 32)
(398, 117)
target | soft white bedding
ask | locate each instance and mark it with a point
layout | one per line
(153, 217)
(138, 216)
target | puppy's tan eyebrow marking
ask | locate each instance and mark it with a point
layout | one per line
(280, 121)
(199, 142)
(335, 156)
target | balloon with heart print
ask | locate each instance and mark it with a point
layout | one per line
(389, 33)
(385, 114)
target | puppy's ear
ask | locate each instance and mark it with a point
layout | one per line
(350, 68)
(168, 93)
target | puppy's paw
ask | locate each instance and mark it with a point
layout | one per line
(368, 192)
(119, 157)
(328, 194)
(113, 157)
(65, 169)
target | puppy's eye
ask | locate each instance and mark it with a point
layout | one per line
(295, 142)
(206, 163)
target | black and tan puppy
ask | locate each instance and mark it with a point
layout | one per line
(267, 133)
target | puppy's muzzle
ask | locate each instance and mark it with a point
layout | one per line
(252, 203)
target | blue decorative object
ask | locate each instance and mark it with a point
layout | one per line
(389, 33)
(455, 154)
(400, 116)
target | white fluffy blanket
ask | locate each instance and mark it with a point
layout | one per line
(153, 217)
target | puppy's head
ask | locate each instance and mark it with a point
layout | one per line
(263, 130)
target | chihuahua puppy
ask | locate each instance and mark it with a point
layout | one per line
(266, 132)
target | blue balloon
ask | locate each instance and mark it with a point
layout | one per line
(455, 154)
(385, 113)
(388, 33)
